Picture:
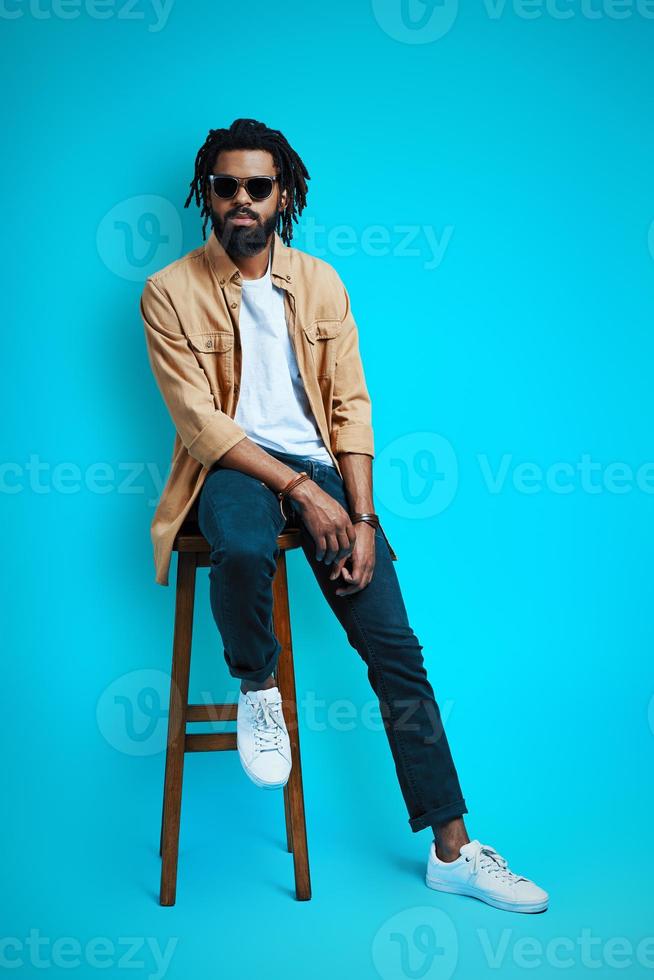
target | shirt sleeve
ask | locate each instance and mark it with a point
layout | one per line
(205, 430)
(351, 423)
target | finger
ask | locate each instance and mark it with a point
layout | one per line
(353, 580)
(332, 548)
(346, 547)
(338, 567)
(362, 570)
(350, 590)
(354, 587)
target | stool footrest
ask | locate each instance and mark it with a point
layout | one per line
(210, 742)
(212, 712)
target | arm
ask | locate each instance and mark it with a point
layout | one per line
(353, 444)
(205, 431)
(351, 422)
(357, 477)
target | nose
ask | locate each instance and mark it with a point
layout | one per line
(242, 197)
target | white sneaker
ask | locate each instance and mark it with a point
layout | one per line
(484, 874)
(262, 738)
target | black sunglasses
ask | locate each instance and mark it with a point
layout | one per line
(226, 186)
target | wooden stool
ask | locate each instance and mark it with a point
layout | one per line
(194, 552)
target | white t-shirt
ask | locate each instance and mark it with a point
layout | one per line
(273, 408)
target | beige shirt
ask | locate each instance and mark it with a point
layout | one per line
(190, 312)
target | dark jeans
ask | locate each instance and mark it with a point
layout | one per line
(240, 517)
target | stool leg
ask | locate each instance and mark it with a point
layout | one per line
(285, 676)
(163, 811)
(183, 631)
(287, 810)
(287, 819)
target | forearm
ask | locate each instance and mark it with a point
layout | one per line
(250, 458)
(357, 478)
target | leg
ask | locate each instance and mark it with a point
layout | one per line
(241, 519)
(449, 838)
(375, 621)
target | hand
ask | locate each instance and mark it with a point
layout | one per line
(328, 523)
(362, 561)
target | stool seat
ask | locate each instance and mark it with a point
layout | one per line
(194, 551)
(190, 538)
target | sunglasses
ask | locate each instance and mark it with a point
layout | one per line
(226, 187)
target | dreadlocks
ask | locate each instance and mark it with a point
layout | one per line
(248, 134)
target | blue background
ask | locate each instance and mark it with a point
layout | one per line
(525, 144)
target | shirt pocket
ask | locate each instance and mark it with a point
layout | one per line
(211, 342)
(214, 350)
(322, 336)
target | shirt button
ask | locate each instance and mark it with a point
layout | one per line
(222, 282)
(234, 305)
(288, 278)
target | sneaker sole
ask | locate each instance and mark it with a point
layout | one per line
(497, 903)
(259, 782)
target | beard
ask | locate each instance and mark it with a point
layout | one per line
(241, 241)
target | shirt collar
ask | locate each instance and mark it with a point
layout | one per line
(225, 269)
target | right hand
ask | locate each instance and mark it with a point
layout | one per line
(326, 520)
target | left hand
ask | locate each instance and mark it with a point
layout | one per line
(362, 561)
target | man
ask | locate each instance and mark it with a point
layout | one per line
(255, 350)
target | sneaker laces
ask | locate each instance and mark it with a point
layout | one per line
(267, 725)
(487, 859)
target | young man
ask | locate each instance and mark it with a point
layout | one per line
(255, 351)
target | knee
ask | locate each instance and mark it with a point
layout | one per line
(247, 555)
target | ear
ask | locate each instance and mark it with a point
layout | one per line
(283, 200)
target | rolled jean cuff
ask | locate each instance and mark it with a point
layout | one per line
(257, 676)
(440, 815)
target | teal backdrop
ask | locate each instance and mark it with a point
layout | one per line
(481, 178)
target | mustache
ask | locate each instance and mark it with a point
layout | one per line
(242, 213)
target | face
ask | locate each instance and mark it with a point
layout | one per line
(243, 225)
